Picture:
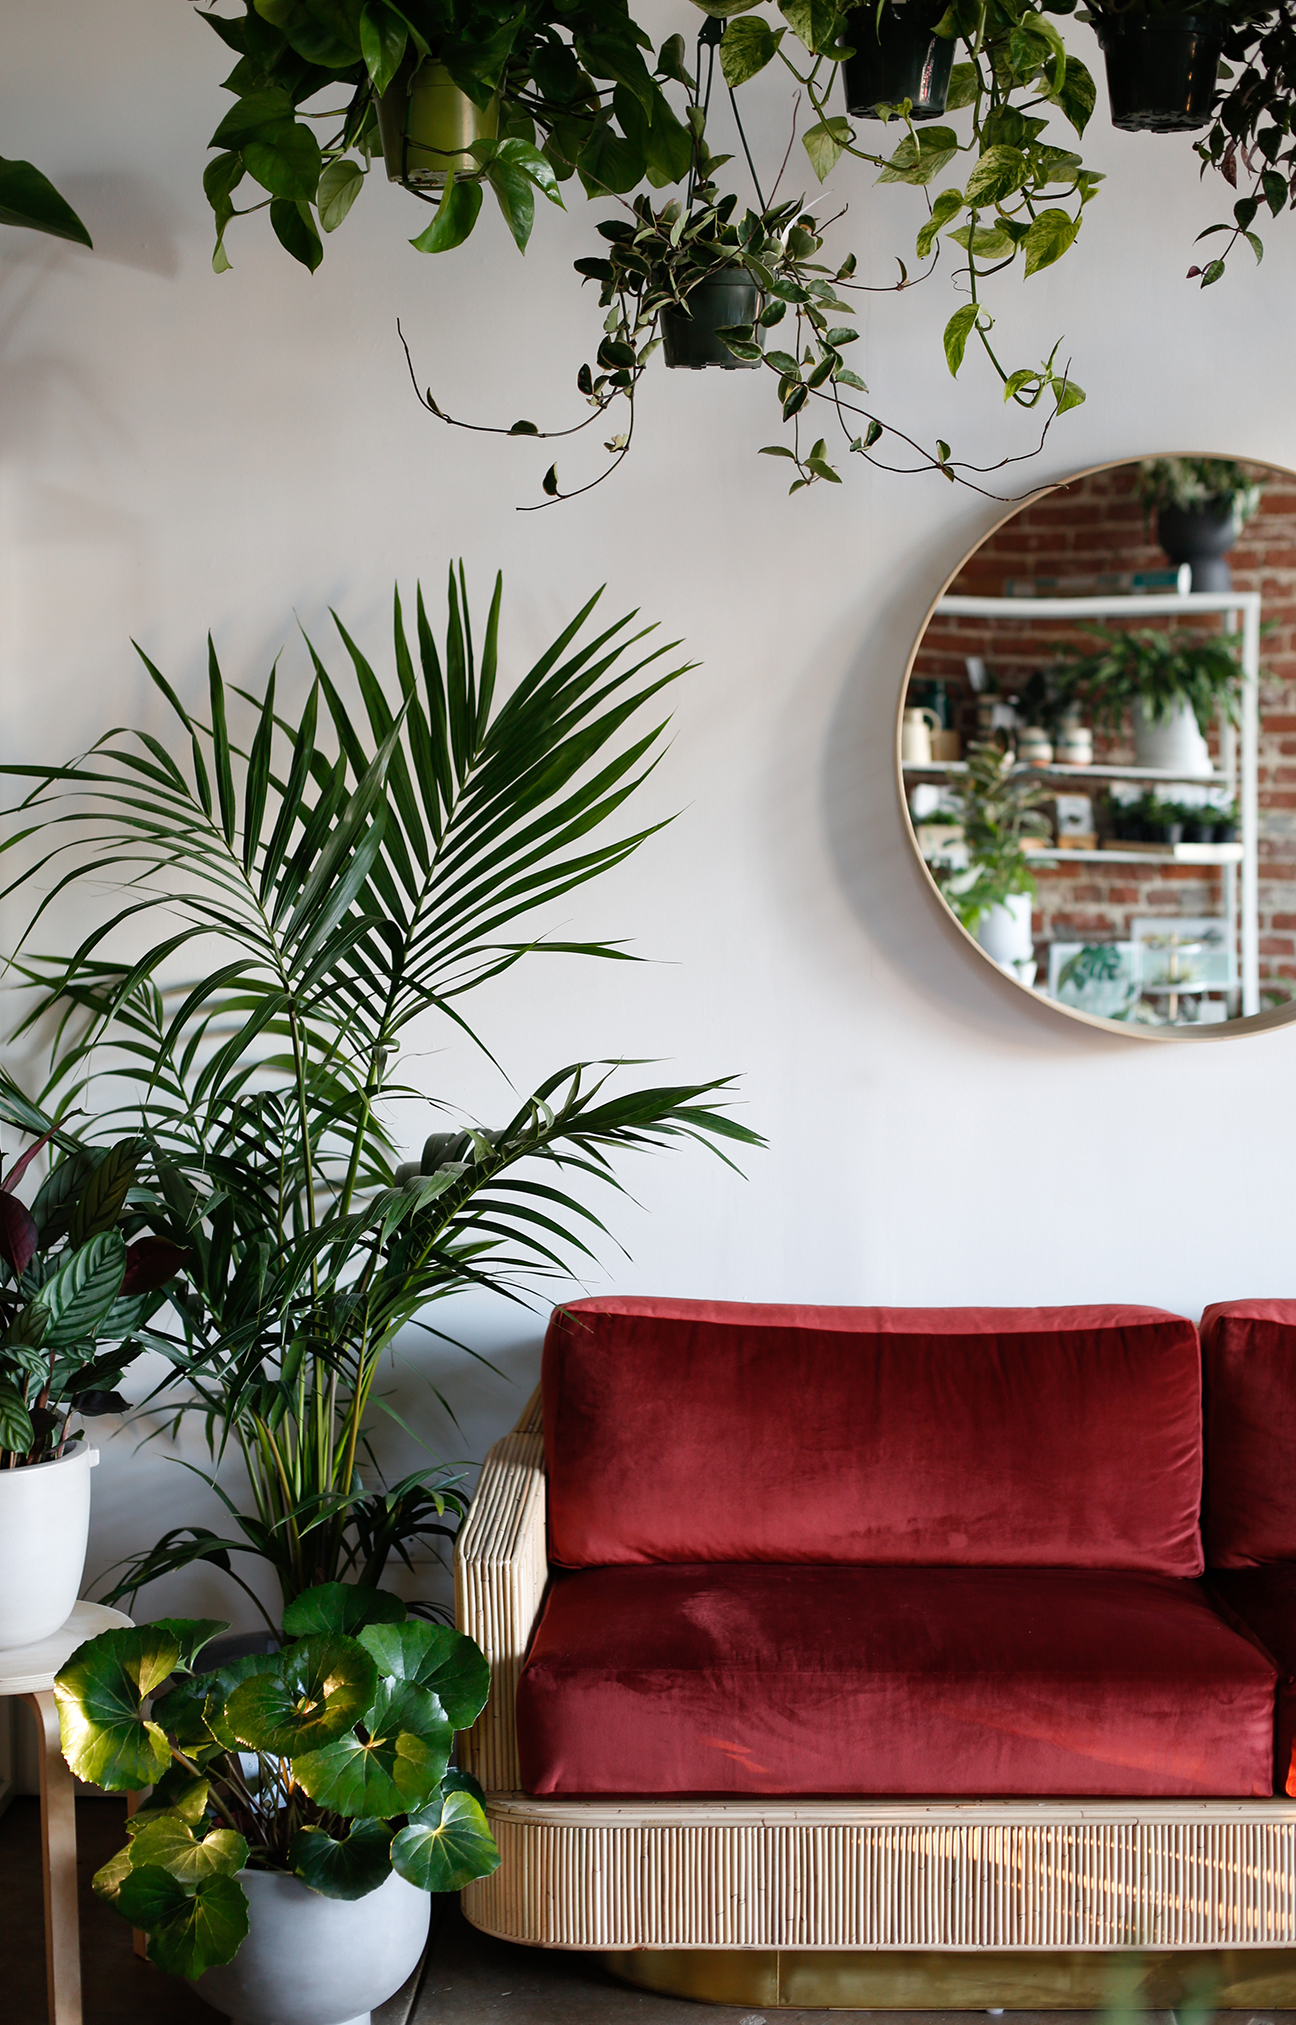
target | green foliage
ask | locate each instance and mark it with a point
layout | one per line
(575, 97)
(1155, 670)
(998, 806)
(1197, 481)
(241, 1791)
(75, 1295)
(1254, 127)
(29, 199)
(346, 871)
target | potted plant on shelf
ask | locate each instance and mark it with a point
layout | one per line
(1174, 685)
(301, 1803)
(348, 896)
(1201, 506)
(992, 894)
(1162, 59)
(78, 1285)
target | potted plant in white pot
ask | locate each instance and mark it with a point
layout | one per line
(1173, 684)
(333, 902)
(302, 1803)
(75, 1298)
(992, 894)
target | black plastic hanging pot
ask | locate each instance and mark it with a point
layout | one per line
(897, 56)
(1161, 70)
(717, 302)
(1202, 536)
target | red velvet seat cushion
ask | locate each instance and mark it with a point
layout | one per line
(762, 1679)
(1249, 1363)
(714, 1431)
(1265, 1601)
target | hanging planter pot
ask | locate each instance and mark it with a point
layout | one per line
(427, 123)
(311, 1960)
(1202, 536)
(44, 1526)
(898, 55)
(1161, 70)
(726, 297)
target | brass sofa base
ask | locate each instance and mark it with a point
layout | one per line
(796, 1979)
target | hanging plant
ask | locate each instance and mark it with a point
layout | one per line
(566, 89)
(1022, 198)
(670, 278)
(1254, 128)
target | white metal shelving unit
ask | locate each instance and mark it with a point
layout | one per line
(1239, 751)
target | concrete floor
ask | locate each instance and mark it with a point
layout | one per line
(465, 1978)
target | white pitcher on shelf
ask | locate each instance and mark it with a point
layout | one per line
(916, 728)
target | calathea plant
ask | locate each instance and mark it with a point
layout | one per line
(327, 1760)
(350, 868)
(574, 95)
(78, 1284)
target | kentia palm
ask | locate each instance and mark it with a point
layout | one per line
(347, 896)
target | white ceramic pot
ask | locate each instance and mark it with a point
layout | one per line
(44, 1526)
(310, 1960)
(1174, 743)
(1004, 932)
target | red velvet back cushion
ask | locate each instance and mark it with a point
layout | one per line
(714, 1431)
(1249, 1358)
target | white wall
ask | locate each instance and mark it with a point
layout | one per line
(180, 451)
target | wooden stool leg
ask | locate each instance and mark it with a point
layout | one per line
(58, 1836)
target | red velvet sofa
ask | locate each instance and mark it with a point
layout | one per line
(877, 1575)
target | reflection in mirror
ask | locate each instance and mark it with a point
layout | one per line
(1100, 776)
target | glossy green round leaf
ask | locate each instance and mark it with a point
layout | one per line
(318, 1689)
(350, 1868)
(399, 1766)
(108, 1880)
(323, 31)
(285, 159)
(445, 1845)
(340, 1609)
(433, 1656)
(190, 1928)
(100, 1694)
(169, 1842)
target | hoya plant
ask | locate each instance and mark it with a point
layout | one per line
(328, 1760)
(80, 1277)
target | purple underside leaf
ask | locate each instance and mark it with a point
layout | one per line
(17, 1234)
(150, 1263)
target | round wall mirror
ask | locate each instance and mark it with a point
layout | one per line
(1096, 745)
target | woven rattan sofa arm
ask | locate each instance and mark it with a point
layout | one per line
(500, 1576)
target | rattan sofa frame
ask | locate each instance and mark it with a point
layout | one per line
(895, 1904)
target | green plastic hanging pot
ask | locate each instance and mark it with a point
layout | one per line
(427, 123)
(898, 55)
(728, 296)
(1161, 70)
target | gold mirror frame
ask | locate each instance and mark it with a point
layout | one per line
(1253, 1023)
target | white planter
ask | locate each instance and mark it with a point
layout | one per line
(309, 1960)
(1175, 743)
(1004, 932)
(44, 1526)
